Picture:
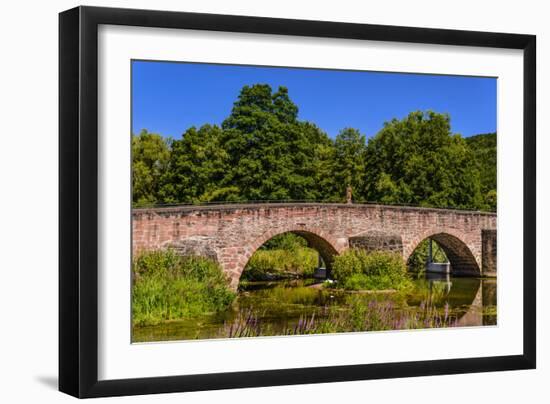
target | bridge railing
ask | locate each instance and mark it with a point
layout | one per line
(300, 201)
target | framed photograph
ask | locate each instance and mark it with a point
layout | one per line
(251, 201)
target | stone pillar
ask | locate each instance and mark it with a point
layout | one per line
(489, 252)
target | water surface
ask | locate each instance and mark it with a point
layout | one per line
(281, 306)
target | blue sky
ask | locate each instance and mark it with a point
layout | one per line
(168, 98)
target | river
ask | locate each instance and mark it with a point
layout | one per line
(283, 307)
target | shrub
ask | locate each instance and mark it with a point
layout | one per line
(357, 269)
(284, 255)
(168, 287)
(263, 263)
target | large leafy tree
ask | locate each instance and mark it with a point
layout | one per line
(418, 161)
(150, 155)
(320, 165)
(272, 155)
(484, 149)
(197, 167)
(349, 162)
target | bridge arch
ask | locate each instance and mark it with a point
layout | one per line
(463, 260)
(317, 239)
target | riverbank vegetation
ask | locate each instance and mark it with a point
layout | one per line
(292, 307)
(284, 256)
(280, 264)
(262, 151)
(357, 269)
(168, 287)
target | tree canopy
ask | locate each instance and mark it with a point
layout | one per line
(418, 161)
(150, 155)
(262, 151)
(484, 148)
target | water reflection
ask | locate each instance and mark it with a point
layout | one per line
(282, 304)
(472, 299)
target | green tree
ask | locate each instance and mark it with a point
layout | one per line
(150, 155)
(349, 162)
(418, 161)
(271, 154)
(197, 167)
(285, 241)
(317, 157)
(484, 150)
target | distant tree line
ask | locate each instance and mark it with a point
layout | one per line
(262, 151)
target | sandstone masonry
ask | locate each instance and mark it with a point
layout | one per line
(231, 233)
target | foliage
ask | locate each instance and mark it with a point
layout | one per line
(418, 161)
(262, 151)
(484, 149)
(285, 241)
(150, 155)
(168, 287)
(357, 269)
(284, 255)
(349, 161)
(266, 264)
(271, 154)
(196, 168)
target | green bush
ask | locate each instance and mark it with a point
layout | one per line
(168, 287)
(300, 263)
(357, 269)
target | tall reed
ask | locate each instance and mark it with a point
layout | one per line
(169, 287)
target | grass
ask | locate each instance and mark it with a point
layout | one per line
(169, 287)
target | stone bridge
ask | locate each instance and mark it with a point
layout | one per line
(231, 233)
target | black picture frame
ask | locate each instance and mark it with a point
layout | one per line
(78, 201)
